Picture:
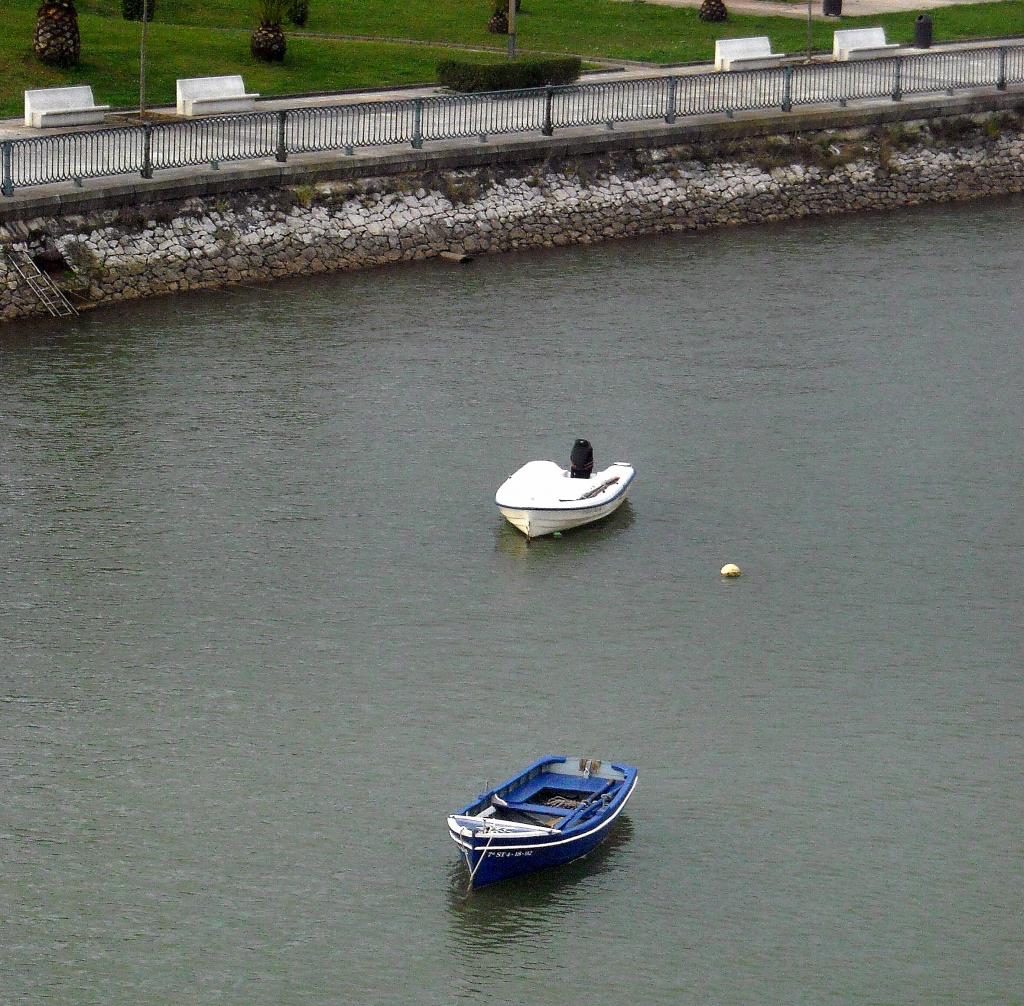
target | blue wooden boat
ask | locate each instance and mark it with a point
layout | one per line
(553, 812)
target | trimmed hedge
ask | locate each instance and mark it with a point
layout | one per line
(461, 76)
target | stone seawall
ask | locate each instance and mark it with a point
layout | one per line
(166, 247)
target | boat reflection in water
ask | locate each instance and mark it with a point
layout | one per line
(503, 938)
(535, 904)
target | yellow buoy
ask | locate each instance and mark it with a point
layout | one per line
(731, 569)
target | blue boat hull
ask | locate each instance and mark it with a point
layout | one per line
(504, 864)
(552, 813)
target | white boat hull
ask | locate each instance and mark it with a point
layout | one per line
(537, 523)
(542, 499)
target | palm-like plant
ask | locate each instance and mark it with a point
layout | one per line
(57, 41)
(498, 24)
(712, 10)
(268, 42)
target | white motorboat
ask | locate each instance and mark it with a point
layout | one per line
(542, 498)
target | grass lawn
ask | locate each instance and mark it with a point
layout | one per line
(110, 62)
(183, 42)
(587, 27)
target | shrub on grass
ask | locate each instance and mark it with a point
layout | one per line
(461, 76)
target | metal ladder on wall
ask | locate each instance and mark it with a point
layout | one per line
(50, 295)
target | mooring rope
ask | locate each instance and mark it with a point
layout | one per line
(487, 848)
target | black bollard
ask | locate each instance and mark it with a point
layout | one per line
(923, 31)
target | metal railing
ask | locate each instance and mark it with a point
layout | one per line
(257, 135)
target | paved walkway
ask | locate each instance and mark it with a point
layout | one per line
(851, 8)
(13, 129)
(332, 126)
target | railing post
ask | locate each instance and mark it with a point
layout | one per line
(897, 84)
(670, 103)
(282, 146)
(7, 186)
(1001, 78)
(147, 151)
(417, 124)
(787, 89)
(547, 129)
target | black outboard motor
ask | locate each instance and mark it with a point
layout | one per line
(581, 462)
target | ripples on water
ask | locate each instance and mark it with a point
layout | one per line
(262, 626)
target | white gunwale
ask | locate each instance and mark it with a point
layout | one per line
(546, 845)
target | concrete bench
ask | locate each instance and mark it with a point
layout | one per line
(210, 95)
(62, 106)
(745, 54)
(861, 43)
